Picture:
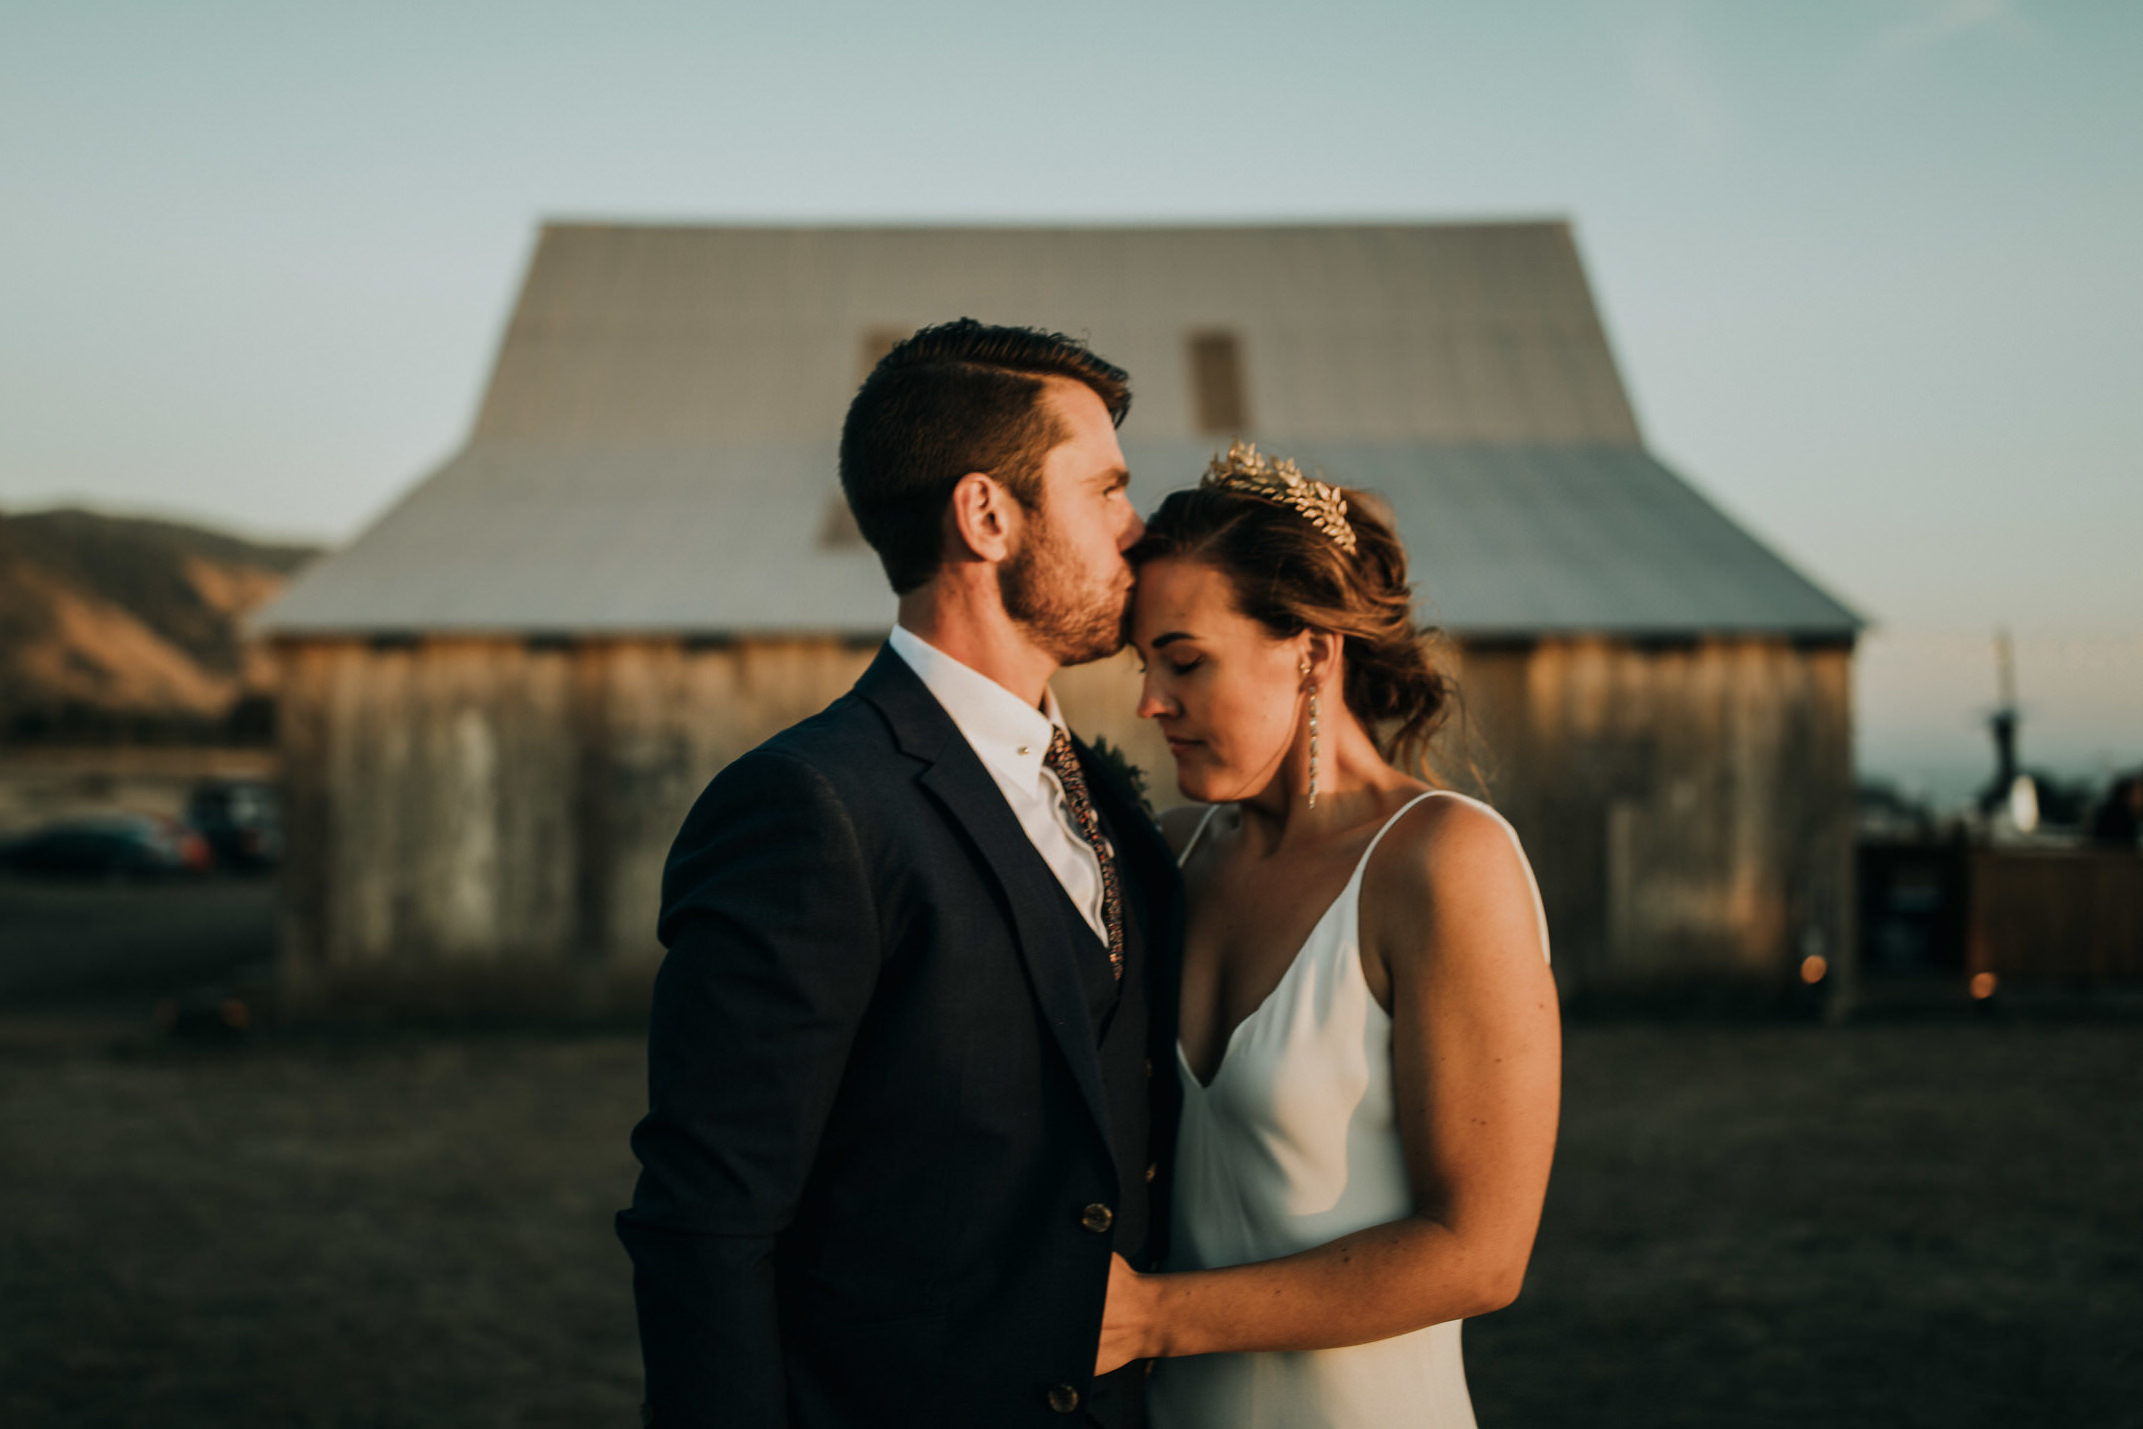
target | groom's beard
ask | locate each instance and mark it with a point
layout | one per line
(1068, 617)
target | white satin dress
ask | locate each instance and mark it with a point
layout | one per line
(1291, 1145)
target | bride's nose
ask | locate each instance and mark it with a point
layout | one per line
(1151, 705)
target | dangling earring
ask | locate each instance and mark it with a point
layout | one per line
(1313, 735)
(1313, 749)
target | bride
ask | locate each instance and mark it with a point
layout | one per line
(1369, 1049)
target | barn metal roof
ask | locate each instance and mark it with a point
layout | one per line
(655, 452)
(1415, 332)
(544, 538)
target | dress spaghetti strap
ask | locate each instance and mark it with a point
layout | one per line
(1363, 866)
(1197, 834)
(1540, 911)
(1212, 809)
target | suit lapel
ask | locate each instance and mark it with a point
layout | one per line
(1145, 856)
(955, 777)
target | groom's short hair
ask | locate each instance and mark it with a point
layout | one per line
(952, 399)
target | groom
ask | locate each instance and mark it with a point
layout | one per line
(921, 966)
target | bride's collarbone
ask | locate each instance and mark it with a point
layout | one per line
(1244, 896)
(1251, 915)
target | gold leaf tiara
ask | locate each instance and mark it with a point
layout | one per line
(1282, 483)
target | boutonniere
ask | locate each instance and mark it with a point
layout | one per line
(1112, 758)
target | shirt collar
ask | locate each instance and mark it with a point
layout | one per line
(1009, 735)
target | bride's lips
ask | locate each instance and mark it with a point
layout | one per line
(1181, 747)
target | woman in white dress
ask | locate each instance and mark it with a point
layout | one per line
(1370, 1051)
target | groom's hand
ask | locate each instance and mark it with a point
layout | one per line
(1129, 1327)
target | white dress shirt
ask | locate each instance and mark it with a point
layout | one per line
(1011, 738)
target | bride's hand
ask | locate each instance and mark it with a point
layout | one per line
(1128, 1328)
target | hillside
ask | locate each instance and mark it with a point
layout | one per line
(117, 624)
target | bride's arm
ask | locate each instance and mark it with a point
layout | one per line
(1476, 1064)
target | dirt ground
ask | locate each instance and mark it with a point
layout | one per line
(1901, 1225)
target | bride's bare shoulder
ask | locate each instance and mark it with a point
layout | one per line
(1447, 853)
(1449, 822)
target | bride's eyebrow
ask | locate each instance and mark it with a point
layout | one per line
(1163, 641)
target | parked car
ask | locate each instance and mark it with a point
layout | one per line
(242, 821)
(109, 846)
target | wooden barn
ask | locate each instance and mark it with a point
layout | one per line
(499, 701)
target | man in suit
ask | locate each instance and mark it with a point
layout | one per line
(922, 960)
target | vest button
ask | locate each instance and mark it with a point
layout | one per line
(1152, 1171)
(1063, 1398)
(1097, 1218)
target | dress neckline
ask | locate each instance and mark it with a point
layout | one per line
(1348, 894)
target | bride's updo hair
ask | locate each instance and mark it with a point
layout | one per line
(1290, 576)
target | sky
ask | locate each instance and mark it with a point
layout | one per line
(1869, 266)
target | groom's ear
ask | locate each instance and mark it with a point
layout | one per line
(981, 520)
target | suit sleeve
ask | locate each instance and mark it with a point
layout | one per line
(773, 952)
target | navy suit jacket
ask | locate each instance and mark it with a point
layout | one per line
(877, 1116)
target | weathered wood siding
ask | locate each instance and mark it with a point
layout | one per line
(1688, 807)
(478, 821)
(472, 817)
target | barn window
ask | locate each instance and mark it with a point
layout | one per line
(877, 343)
(1217, 384)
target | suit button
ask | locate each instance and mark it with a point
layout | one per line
(1097, 1218)
(1151, 1172)
(1063, 1398)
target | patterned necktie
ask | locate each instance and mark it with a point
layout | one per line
(1065, 765)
